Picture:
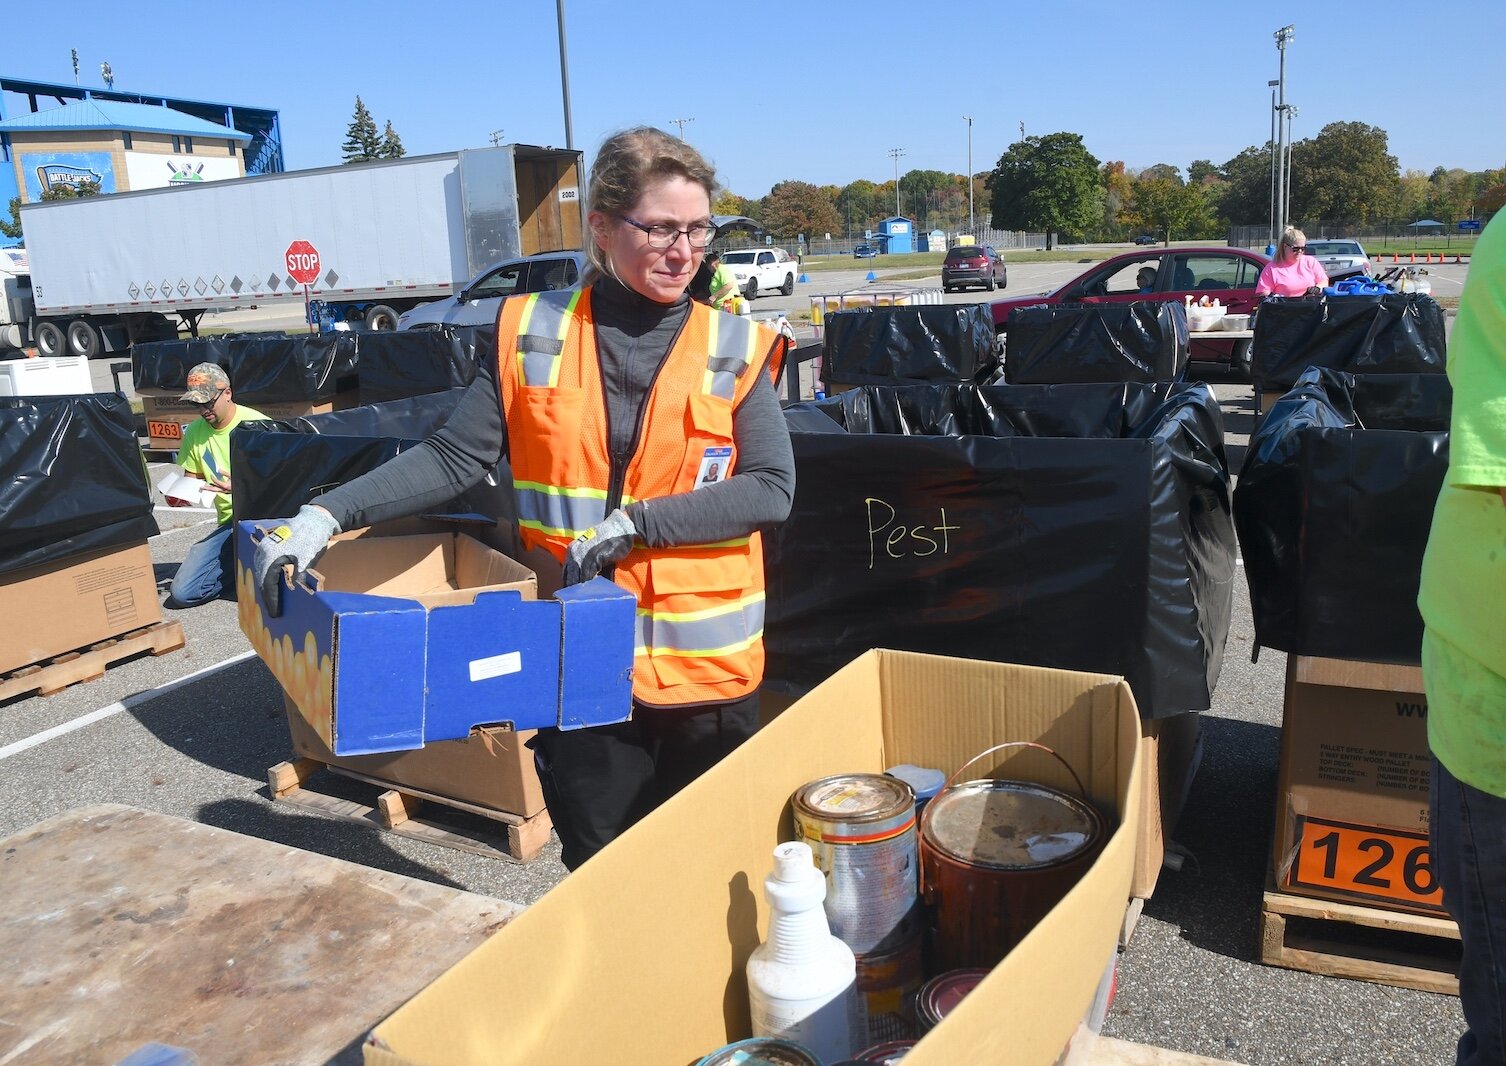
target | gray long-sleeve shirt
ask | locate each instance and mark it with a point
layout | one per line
(633, 337)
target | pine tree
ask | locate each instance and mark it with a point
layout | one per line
(392, 144)
(361, 142)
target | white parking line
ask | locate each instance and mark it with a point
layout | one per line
(133, 700)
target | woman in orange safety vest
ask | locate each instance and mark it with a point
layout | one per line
(647, 445)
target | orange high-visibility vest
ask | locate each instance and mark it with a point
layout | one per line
(700, 606)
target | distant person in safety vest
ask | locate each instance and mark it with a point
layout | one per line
(208, 569)
(612, 404)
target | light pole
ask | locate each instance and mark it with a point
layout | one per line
(1283, 37)
(894, 154)
(1271, 240)
(970, 223)
(559, 11)
(681, 123)
(1286, 208)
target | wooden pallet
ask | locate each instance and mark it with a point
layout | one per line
(56, 674)
(1363, 943)
(396, 810)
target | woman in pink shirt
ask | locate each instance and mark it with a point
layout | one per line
(1291, 273)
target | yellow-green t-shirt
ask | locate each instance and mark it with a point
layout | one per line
(1463, 590)
(205, 452)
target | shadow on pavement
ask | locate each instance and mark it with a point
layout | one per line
(1215, 899)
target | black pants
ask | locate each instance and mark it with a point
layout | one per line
(599, 781)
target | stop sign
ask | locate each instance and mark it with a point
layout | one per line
(303, 262)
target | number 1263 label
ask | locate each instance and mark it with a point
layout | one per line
(1391, 865)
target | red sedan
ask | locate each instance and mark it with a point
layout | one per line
(1228, 274)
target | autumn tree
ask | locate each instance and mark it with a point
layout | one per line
(362, 143)
(1048, 183)
(1246, 198)
(794, 207)
(1201, 171)
(1170, 208)
(1118, 190)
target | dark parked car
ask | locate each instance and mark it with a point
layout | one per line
(865, 251)
(1228, 274)
(1146, 238)
(972, 264)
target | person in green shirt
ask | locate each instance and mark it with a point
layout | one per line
(208, 570)
(723, 284)
(1463, 602)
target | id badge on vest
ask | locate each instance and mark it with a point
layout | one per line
(716, 465)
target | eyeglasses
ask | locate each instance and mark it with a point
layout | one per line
(207, 404)
(661, 235)
(1298, 248)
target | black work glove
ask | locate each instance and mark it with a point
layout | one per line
(299, 541)
(599, 547)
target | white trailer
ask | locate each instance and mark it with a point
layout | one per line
(107, 270)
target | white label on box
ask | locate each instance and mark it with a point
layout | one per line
(496, 665)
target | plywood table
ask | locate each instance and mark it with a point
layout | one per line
(120, 927)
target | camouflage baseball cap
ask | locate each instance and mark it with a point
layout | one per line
(205, 382)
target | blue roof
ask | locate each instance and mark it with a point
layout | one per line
(116, 115)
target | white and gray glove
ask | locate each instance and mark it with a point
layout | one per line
(299, 541)
(599, 547)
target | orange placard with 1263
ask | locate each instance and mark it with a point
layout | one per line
(1365, 861)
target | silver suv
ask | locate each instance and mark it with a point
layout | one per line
(478, 302)
(1339, 258)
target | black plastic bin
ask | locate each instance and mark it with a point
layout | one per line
(1052, 344)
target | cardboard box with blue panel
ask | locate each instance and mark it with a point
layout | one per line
(394, 641)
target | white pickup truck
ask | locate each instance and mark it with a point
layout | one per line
(762, 269)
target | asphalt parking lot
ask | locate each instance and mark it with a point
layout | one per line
(193, 732)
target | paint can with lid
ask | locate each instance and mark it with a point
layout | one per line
(997, 855)
(861, 829)
(941, 993)
(761, 1051)
(888, 982)
(924, 780)
(884, 1054)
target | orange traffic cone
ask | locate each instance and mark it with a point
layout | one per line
(1414, 257)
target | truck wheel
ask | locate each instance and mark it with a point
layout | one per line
(751, 292)
(789, 285)
(51, 341)
(84, 339)
(381, 318)
(1242, 358)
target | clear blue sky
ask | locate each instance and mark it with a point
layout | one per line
(818, 90)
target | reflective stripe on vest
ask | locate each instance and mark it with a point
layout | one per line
(559, 512)
(700, 634)
(542, 329)
(734, 346)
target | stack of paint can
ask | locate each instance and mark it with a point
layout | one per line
(861, 829)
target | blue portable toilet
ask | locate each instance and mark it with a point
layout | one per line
(898, 235)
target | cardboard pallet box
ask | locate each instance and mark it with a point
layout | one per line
(87, 597)
(1352, 795)
(639, 956)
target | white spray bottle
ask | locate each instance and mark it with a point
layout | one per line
(802, 981)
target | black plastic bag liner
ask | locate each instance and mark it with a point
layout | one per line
(411, 363)
(941, 343)
(1333, 510)
(71, 478)
(263, 367)
(281, 465)
(1050, 344)
(1399, 333)
(1085, 527)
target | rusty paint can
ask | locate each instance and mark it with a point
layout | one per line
(941, 993)
(761, 1051)
(997, 856)
(861, 830)
(888, 982)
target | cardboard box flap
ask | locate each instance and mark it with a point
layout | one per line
(645, 945)
(389, 566)
(490, 661)
(597, 634)
(1351, 673)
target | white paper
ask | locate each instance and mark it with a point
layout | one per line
(191, 490)
(496, 665)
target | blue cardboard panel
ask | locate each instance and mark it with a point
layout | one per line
(494, 660)
(596, 648)
(379, 676)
